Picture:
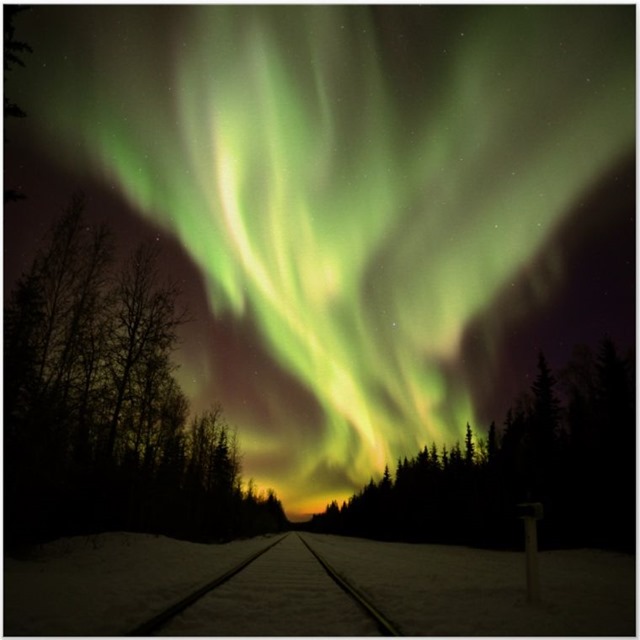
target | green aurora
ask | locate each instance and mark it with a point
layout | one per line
(357, 186)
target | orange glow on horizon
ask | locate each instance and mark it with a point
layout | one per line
(304, 510)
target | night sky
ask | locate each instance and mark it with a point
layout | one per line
(378, 215)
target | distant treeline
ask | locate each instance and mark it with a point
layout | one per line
(569, 443)
(97, 434)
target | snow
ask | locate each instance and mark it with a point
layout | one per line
(439, 590)
(108, 584)
(301, 600)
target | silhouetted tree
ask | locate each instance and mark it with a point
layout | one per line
(615, 408)
(445, 458)
(546, 407)
(23, 317)
(13, 49)
(435, 463)
(144, 327)
(492, 444)
(48, 321)
(13, 53)
(469, 447)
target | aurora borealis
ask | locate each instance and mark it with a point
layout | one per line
(357, 187)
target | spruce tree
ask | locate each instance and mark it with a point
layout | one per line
(469, 447)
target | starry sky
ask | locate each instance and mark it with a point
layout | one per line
(378, 215)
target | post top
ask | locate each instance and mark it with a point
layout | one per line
(530, 510)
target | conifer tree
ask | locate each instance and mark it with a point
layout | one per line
(492, 444)
(469, 447)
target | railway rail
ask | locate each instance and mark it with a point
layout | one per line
(155, 624)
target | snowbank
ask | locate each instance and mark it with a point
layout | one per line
(108, 584)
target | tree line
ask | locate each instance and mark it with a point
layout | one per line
(97, 432)
(569, 443)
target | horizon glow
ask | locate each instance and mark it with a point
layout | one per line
(357, 224)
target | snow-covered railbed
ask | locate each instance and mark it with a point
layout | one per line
(108, 584)
(285, 592)
(439, 590)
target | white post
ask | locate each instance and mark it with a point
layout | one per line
(531, 512)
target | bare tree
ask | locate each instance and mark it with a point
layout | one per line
(144, 327)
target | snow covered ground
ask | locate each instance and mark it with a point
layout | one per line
(107, 584)
(438, 590)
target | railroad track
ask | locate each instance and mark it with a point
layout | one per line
(386, 627)
(156, 624)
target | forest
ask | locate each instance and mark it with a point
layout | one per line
(568, 443)
(98, 435)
